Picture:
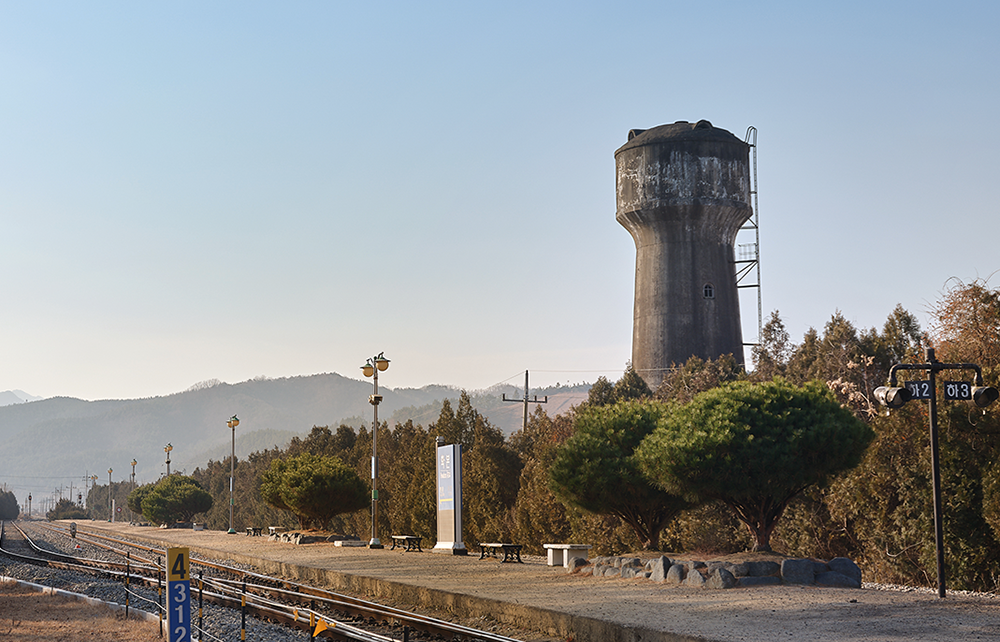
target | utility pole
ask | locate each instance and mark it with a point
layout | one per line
(525, 401)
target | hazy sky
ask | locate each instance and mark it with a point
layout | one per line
(192, 191)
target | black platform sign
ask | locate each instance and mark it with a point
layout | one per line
(919, 389)
(958, 390)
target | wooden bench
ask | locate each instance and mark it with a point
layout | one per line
(253, 531)
(560, 554)
(412, 542)
(511, 552)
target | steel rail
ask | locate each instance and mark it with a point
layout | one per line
(305, 594)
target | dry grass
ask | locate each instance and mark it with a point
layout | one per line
(29, 616)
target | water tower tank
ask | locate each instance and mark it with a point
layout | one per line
(683, 192)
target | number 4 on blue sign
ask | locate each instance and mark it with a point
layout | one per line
(958, 390)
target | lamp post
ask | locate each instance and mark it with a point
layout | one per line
(892, 396)
(111, 515)
(131, 517)
(167, 450)
(29, 505)
(371, 369)
(232, 423)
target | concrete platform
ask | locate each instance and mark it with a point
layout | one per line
(559, 606)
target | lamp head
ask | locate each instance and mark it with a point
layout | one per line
(381, 362)
(134, 462)
(983, 396)
(368, 368)
(892, 397)
(110, 471)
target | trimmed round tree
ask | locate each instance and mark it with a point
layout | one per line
(314, 488)
(595, 469)
(754, 447)
(176, 498)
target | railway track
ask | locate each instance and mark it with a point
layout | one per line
(267, 598)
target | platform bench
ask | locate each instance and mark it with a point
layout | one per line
(511, 552)
(560, 554)
(253, 531)
(412, 542)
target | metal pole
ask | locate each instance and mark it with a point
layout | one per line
(232, 476)
(375, 543)
(110, 515)
(524, 423)
(936, 474)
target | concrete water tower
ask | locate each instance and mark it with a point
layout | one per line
(683, 192)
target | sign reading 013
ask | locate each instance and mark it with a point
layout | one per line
(179, 594)
(958, 390)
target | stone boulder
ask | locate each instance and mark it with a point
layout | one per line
(847, 568)
(658, 568)
(798, 571)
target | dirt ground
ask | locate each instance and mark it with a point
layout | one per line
(27, 615)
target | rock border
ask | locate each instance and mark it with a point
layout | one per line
(839, 572)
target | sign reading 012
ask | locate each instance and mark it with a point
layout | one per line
(179, 594)
(919, 389)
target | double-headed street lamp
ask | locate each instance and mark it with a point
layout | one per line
(371, 369)
(894, 396)
(232, 423)
(167, 450)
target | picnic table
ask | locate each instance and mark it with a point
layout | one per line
(511, 552)
(412, 542)
(253, 531)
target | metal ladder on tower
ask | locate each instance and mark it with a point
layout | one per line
(748, 254)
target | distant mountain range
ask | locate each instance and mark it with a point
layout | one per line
(8, 397)
(63, 436)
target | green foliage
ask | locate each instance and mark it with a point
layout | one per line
(66, 509)
(539, 516)
(136, 497)
(314, 488)
(630, 386)
(773, 351)
(886, 502)
(9, 509)
(697, 375)
(753, 447)
(175, 498)
(595, 469)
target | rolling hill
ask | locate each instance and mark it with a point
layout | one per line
(65, 436)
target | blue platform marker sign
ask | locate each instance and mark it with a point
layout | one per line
(179, 594)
